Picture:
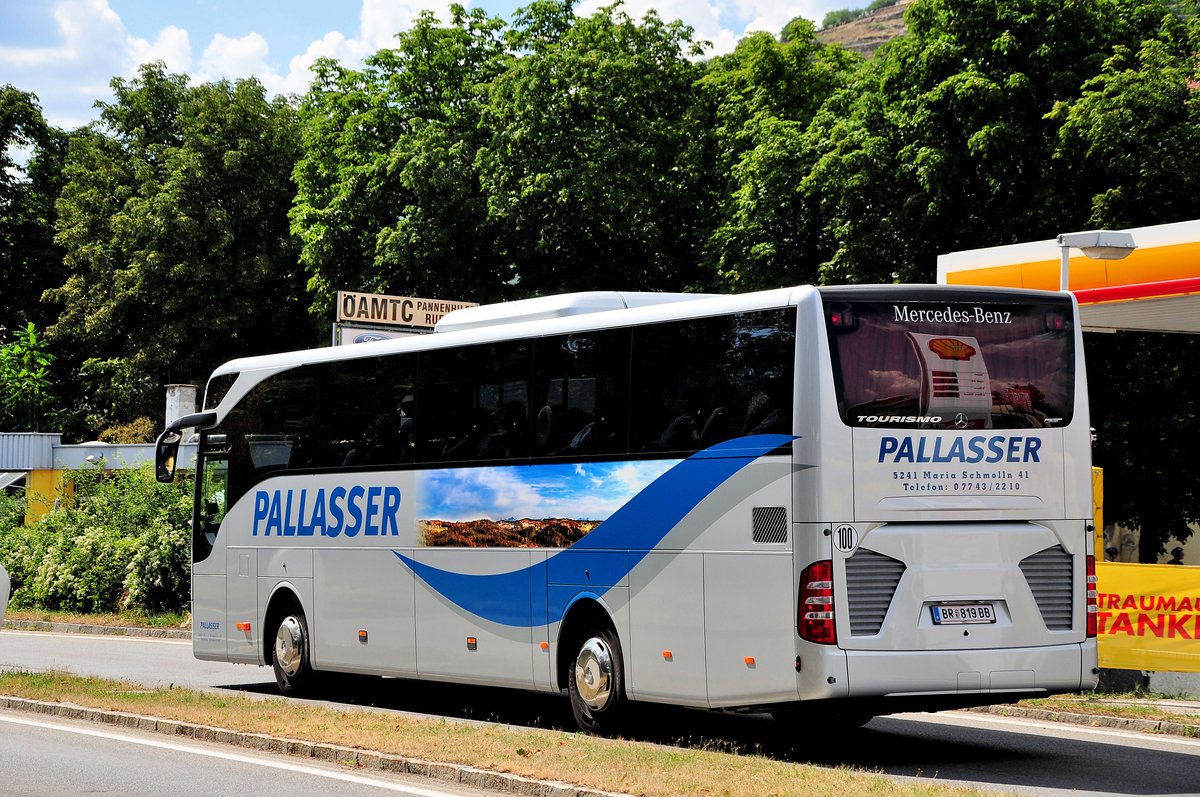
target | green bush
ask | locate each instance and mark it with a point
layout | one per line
(841, 16)
(121, 542)
(19, 550)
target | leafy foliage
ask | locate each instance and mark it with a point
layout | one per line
(1145, 442)
(120, 540)
(487, 160)
(26, 393)
(139, 430)
(30, 262)
(387, 191)
(760, 100)
(587, 171)
(174, 222)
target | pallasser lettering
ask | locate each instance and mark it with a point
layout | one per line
(969, 450)
(371, 512)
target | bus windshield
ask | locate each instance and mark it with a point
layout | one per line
(973, 363)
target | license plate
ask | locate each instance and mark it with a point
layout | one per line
(963, 613)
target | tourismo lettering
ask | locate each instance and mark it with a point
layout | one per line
(341, 511)
(997, 448)
(949, 315)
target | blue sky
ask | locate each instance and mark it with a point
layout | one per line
(585, 491)
(66, 51)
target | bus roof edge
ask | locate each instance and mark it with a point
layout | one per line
(560, 306)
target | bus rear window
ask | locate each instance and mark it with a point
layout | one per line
(962, 364)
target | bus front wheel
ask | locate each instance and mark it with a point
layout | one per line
(596, 683)
(290, 661)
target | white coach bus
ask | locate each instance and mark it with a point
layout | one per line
(862, 499)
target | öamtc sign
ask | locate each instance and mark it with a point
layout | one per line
(407, 311)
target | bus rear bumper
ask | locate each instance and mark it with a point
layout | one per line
(1047, 669)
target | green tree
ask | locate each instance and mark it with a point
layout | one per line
(388, 194)
(947, 141)
(26, 393)
(758, 103)
(30, 262)
(1145, 394)
(174, 222)
(1131, 138)
(589, 173)
(841, 16)
(1133, 133)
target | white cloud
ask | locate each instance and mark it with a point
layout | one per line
(172, 46)
(92, 47)
(233, 58)
(380, 20)
(332, 45)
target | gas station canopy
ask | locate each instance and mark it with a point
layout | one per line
(1156, 288)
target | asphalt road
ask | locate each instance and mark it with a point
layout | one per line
(993, 753)
(42, 757)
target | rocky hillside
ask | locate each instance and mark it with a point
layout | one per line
(866, 34)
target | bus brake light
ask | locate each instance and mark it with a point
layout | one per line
(1092, 607)
(843, 318)
(814, 613)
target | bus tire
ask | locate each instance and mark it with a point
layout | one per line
(596, 683)
(290, 659)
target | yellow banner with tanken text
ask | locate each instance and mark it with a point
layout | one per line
(1149, 617)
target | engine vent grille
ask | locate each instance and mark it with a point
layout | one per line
(1049, 575)
(871, 580)
(770, 524)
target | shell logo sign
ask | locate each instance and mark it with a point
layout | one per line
(1155, 288)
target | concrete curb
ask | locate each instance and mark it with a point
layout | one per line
(1096, 721)
(108, 630)
(335, 754)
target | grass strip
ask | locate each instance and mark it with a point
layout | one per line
(114, 620)
(610, 764)
(1129, 706)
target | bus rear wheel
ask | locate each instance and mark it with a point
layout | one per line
(596, 683)
(293, 672)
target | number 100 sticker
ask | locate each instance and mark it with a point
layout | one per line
(845, 538)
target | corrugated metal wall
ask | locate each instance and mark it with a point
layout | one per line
(27, 450)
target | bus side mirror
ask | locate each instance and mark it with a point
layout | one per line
(166, 449)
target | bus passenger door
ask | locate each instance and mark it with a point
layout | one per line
(208, 614)
(242, 591)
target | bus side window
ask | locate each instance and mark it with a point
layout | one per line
(704, 381)
(581, 387)
(474, 403)
(270, 430)
(367, 412)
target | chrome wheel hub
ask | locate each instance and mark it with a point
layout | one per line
(289, 646)
(594, 673)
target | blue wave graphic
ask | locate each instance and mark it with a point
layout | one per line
(605, 556)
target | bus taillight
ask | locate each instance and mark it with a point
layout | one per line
(814, 614)
(1092, 607)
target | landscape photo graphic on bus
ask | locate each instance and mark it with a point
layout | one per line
(529, 506)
